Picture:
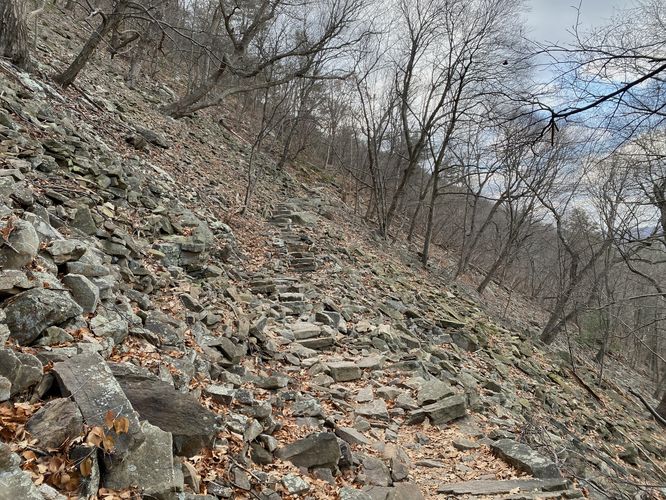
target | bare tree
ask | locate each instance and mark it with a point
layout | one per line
(109, 22)
(285, 36)
(614, 76)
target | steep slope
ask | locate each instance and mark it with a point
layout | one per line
(157, 343)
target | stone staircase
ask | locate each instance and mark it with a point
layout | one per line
(294, 245)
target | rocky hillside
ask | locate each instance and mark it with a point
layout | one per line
(155, 344)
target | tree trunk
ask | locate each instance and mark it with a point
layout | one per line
(431, 217)
(14, 33)
(109, 23)
(661, 409)
(188, 103)
(499, 262)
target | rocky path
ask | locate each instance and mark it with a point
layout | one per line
(141, 353)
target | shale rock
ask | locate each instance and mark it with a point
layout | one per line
(14, 483)
(525, 458)
(21, 370)
(150, 466)
(55, 423)
(30, 313)
(20, 247)
(192, 425)
(91, 384)
(316, 450)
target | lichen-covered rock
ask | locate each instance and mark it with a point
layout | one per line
(150, 466)
(316, 450)
(14, 483)
(65, 250)
(30, 313)
(87, 379)
(526, 459)
(20, 247)
(84, 292)
(55, 423)
(22, 370)
(192, 425)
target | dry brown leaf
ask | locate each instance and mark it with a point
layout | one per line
(86, 467)
(108, 444)
(121, 425)
(108, 419)
(95, 436)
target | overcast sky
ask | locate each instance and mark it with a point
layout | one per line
(550, 20)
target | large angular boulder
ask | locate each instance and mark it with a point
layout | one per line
(441, 412)
(149, 467)
(524, 458)
(432, 391)
(192, 425)
(56, 422)
(20, 247)
(22, 370)
(344, 371)
(316, 450)
(30, 313)
(87, 379)
(500, 487)
(14, 483)
(65, 250)
(84, 292)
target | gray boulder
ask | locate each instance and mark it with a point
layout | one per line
(376, 472)
(22, 370)
(316, 450)
(65, 250)
(14, 483)
(499, 487)
(344, 371)
(149, 467)
(5, 389)
(21, 245)
(84, 292)
(192, 425)
(525, 459)
(110, 324)
(91, 384)
(441, 412)
(30, 313)
(56, 422)
(432, 391)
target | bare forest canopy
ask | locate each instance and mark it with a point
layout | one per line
(433, 119)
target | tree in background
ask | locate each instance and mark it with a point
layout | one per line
(287, 38)
(109, 22)
(14, 33)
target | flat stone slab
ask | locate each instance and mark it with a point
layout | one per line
(374, 409)
(30, 313)
(491, 487)
(192, 425)
(344, 371)
(315, 450)
(351, 435)
(150, 466)
(304, 331)
(441, 412)
(88, 380)
(317, 342)
(525, 459)
(432, 391)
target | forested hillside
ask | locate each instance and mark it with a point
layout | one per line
(274, 249)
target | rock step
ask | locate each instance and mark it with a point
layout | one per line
(500, 487)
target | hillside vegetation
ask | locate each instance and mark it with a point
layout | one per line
(246, 258)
